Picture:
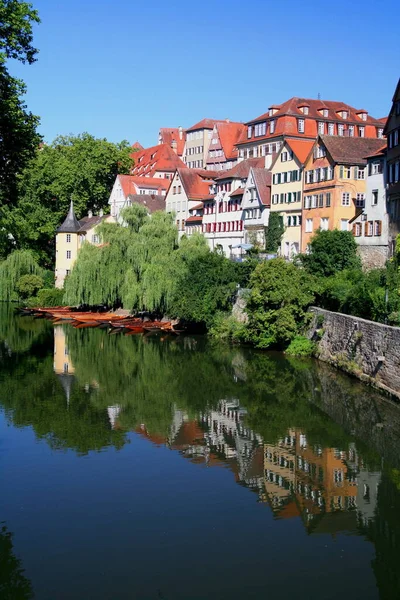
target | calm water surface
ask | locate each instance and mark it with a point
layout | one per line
(174, 468)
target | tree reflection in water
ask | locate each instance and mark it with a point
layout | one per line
(13, 583)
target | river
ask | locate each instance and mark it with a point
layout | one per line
(176, 468)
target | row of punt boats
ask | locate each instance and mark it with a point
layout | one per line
(81, 320)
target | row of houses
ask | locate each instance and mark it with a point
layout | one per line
(318, 164)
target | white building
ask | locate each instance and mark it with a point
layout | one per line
(126, 187)
(371, 224)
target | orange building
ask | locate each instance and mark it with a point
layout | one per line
(335, 183)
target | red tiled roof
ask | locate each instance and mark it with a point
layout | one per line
(301, 148)
(380, 152)
(350, 150)
(205, 124)
(149, 201)
(196, 182)
(137, 146)
(262, 179)
(156, 159)
(241, 170)
(229, 134)
(130, 183)
(170, 134)
(197, 207)
(291, 107)
(238, 192)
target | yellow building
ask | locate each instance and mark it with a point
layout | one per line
(70, 237)
(62, 359)
(286, 191)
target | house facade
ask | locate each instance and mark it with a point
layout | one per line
(392, 132)
(129, 186)
(371, 227)
(198, 138)
(334, 183)
(305, 119)
(222, 152)
(174, 137)
(158, 161)
(287, 190)
(70, 237)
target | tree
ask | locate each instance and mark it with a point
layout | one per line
(274, 232)
(330, 252)
(17, 264)
(28, 285)
(277, 306)
(82, 168)
(18, 136)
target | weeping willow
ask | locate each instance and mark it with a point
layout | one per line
(136, 267)
(17, 264)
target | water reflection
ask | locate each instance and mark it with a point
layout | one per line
(14, 585)
(308, 442)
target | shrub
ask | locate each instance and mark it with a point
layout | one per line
(330, 252)
(50, 297)
(28, 285)
(301, 346)
(227, 328)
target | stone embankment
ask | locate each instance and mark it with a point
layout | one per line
(368, 350)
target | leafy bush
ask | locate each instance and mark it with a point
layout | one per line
(301, 346)
(50, 297)
(28, 285)
(277, 308)
(226, 328)
(330, 252)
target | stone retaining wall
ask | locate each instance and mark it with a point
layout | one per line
(368, 350)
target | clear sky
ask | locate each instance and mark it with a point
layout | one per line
(121, 69)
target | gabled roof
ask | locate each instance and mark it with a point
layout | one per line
(205, 124)
(241, 170)
(160, 158)
(170, 134)
(71, 223)
(194, 218)
(130, 183)
(379, 153)
(229, 134)
(292, 107)
(89, 222)
(262, 180)
(150, 201)
(238, 192)
(350, 150)
(196, 182)
(137, 146)
(300, 148)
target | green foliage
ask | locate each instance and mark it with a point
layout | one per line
(301, 346)
(50, 297)
(82, 168)
(16, 19)
(274, 232)
(277, 308)
(330, 252)
(227, 329)
(17, 264)
(27, 285)
(13, 582)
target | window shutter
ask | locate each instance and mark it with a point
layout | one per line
(354, 229)
(379, 230)
(289, 196)
(341, 172)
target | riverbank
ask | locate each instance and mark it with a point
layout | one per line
(368, 350)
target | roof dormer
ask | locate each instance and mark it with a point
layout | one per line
(362, 114)
(273, 109)
(304, 108)
(343, 113)
(323, 111)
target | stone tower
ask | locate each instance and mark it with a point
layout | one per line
(67, 245)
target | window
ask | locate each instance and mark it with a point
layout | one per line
(305, 110)
(249, 131)
(260, 129)
(95, 239)
(284, 156)
(361, 131)
(307, 201)
(331, 129)
(309, 225)
(351, 130)
(369, 228)
(345, 199)
(320, 200)
(325, 112)
(324, 224)
(300, 125)
(319, 152)
(360, 200)
(377, 227)
(344, 114)
(321, 127)
(380, 133)
(67, 272)
(329, 173)
(357, 229)
(179, 189)
(272, 126)
(68, 253)
(344, 224)
(314, 200)
(345, 172)
(68, 238)
(328, 200)
(340, 129)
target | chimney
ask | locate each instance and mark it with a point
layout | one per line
(90, 214)
(174, 146)
(268, 161)
(180, 132)
(101, 213)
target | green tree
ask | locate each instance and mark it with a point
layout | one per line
(82, 168)
(274, 232)
(277, 307)
(17, 264)
(330, 252)
(28, 285)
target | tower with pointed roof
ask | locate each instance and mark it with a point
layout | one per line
(67, 245)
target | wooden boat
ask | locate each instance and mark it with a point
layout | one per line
(127, 322)
(131, 330)
(78, 325)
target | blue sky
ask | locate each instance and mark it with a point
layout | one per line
(121, 69)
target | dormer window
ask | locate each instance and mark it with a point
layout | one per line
(300, 125)
(260, 129)
(362, 116)
(345, 114)
(380, 133)
(249, 131)
(272, 126)
(305, 110)
(325, 112)
(272, 110)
